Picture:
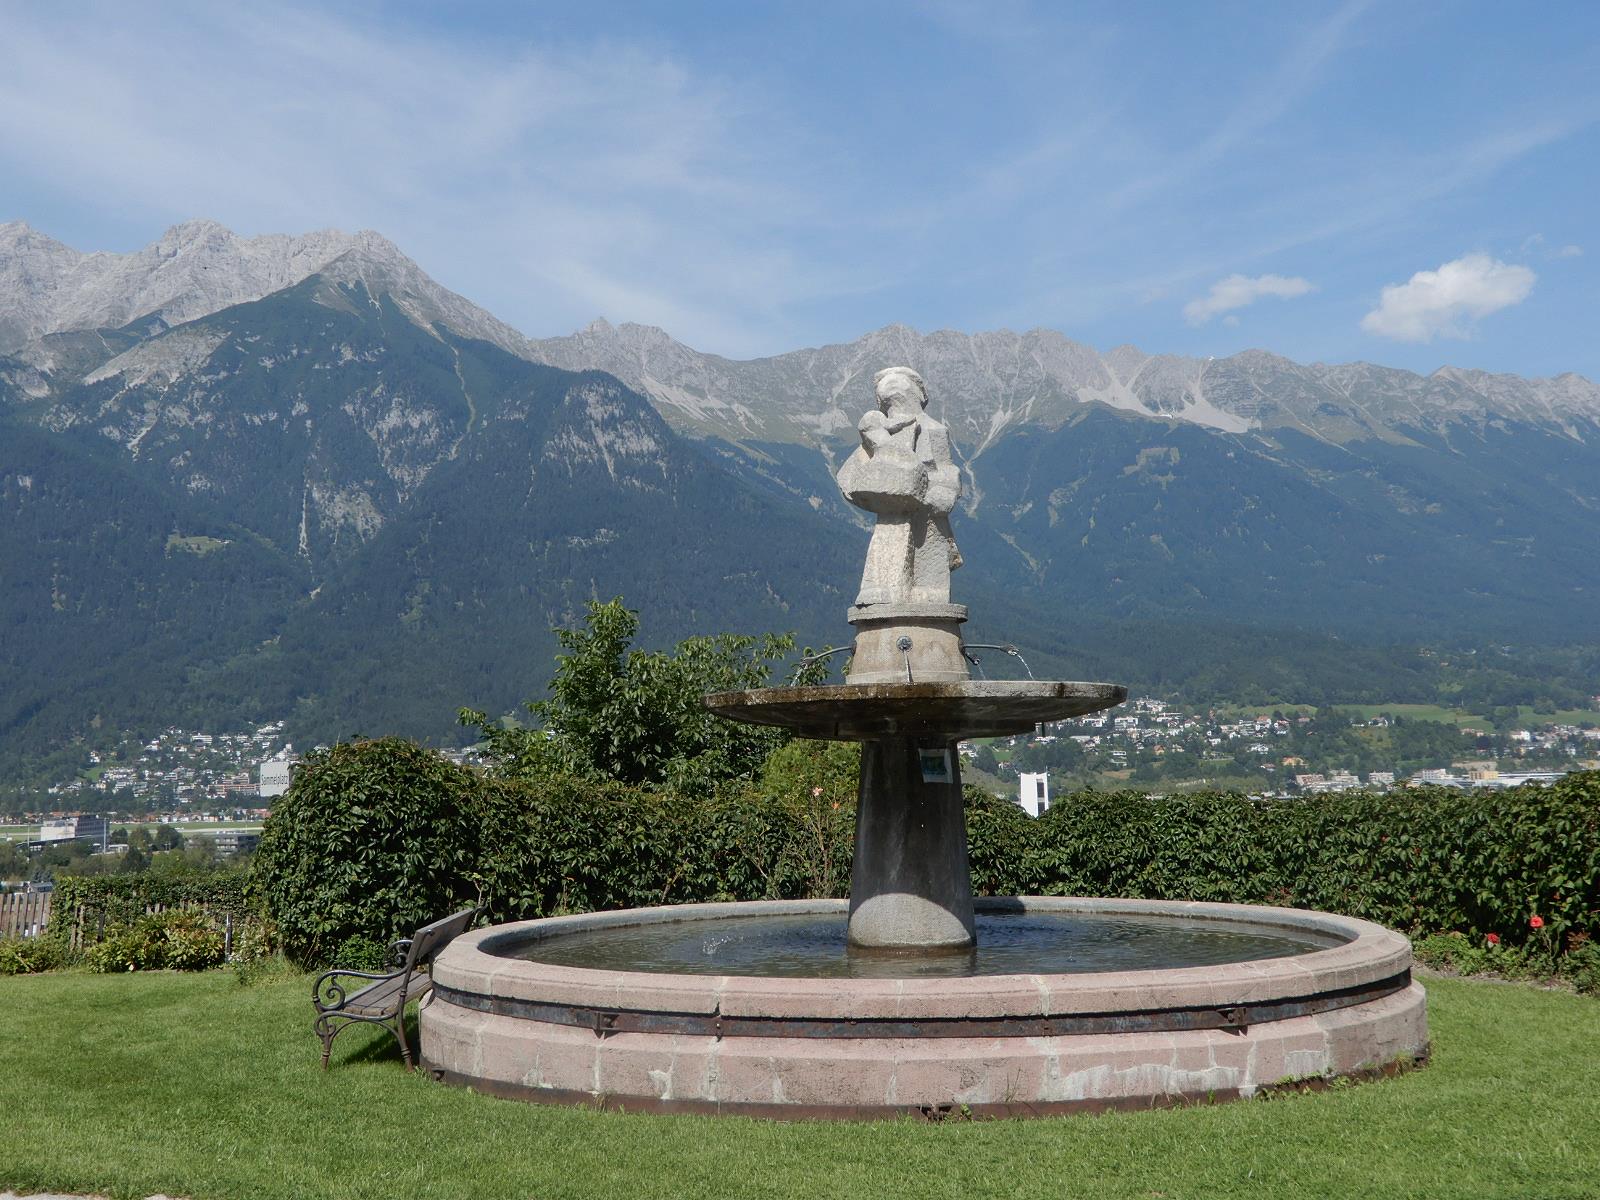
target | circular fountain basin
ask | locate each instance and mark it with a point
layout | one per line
(760, 1009)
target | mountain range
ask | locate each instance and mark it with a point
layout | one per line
(242, 478)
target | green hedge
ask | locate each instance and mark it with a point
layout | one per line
(122, 899)
(102, 905)
(1425, 859)
(376, 837)
(372, 839)
(565, 845)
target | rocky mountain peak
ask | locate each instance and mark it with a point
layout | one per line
(199, 231)
(986, 383)
(199, 267)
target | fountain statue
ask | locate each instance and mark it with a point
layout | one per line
(908, 695)
(903, 474)
(913, 996)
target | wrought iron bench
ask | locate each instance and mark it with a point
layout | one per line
(383, 1001)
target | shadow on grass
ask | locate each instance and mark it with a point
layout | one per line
(365, 1043)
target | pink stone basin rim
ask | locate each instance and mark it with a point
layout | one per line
(502, 1026)
(950, 711)
(1371, 962)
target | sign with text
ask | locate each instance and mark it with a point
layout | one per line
(935, 765)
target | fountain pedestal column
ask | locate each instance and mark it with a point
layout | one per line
(910, 887)
(907, 643)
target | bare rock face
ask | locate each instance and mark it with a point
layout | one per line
(987, 385)
(193, 269)
(200, 267)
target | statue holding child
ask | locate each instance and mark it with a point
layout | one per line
(904, 475)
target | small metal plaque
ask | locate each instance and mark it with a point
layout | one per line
(935, 765)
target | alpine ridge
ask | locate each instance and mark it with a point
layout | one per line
(990, 382)
(197, 268)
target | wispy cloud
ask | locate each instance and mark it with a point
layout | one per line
(608, 177)
(1271, 94)
(929, 161)
(1444, 303)
(1241, 291)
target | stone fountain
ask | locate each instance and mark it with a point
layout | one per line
(914, 997)
(908, 697)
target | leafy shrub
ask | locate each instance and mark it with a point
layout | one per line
(1582, 966)
(1001, 842)
(29, 956)
(372, 839)
(564, 844)
(173, 940)
(1458, 954)
(96, 907)
(255, 953)
(361, 953)
(255, 940)
(1423, 859)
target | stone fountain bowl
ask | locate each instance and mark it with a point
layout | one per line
(995, 1045)
(867, 711)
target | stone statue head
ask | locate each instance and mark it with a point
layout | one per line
(902, 389)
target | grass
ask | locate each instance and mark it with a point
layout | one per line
(1527, 717)
(198, 1087)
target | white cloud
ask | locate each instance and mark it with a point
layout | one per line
(1443, 303)
(1241, 291)
(1570, 251)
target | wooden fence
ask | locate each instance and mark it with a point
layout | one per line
(24, 914)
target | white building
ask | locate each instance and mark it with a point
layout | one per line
(94, 829)
(1033, 792)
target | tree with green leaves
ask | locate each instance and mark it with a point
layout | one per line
(636, 716)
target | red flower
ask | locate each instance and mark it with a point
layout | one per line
(1536, 922)
(1492, 938)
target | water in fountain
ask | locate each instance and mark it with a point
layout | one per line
(809, 946)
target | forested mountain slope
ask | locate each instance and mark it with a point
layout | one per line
(357, 501)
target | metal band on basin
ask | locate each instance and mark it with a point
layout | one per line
(604, 1021)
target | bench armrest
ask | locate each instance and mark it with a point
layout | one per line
(399, 952)
(330, 996)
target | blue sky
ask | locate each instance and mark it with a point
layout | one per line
(1405, 183)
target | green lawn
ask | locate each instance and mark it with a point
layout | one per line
(1426, 712)
(197, 1087)
(1456, 716)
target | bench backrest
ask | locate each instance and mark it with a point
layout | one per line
(436, 935)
